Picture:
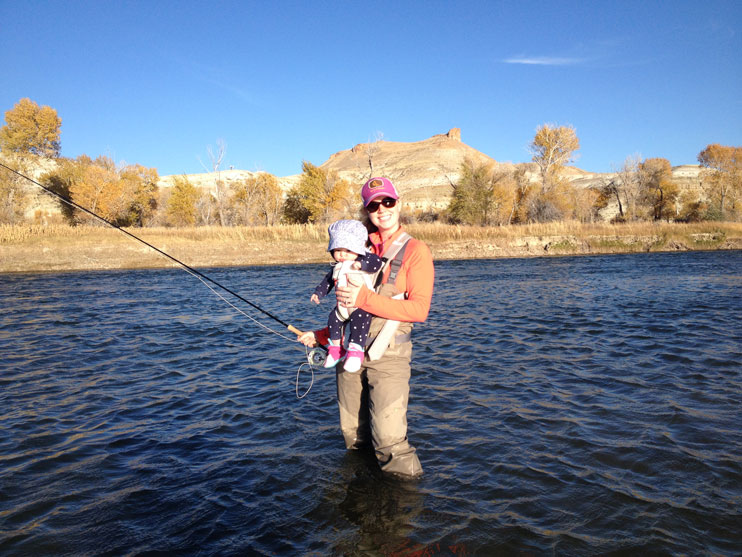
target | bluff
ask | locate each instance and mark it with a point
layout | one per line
(423, 170)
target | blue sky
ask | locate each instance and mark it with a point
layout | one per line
(158, 82)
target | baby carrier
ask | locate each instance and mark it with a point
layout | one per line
(387, 332)
(340, 275)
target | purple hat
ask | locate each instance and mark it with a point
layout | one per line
(348, 234)
(378, 187)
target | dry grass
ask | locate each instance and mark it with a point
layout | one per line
(10, 234)
(60, 247)
(446, 232)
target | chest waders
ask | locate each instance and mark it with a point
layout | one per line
(373, 404)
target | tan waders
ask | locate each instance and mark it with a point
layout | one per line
(373, 402)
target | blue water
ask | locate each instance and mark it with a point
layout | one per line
(567, 406)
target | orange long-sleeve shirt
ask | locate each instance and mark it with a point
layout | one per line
(415, 277)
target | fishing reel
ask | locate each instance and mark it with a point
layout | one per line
(316, 356)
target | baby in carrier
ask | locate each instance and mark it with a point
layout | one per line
(348, 247)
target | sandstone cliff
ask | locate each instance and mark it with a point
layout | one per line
(423, 170)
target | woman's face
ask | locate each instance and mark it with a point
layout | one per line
(386, 219)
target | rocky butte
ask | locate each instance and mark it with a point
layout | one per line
(423, 170)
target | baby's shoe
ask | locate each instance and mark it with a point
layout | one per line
(334, 355)
(353, 359)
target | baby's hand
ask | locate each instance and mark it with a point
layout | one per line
(356, 265)
(314, 299)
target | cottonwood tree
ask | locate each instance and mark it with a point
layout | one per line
(318, 197)
(257, 200)
(269, 199)
(141, 190)
(628, 176)
(722, 177)
(181, 206)
(624, 187)
(125, 196)
(658, 190)
(98, 191)
(206, 208)
(482, 196)
(31, 129)
(553, 147)
(583, 203)
(219, 192)
(693, 207)
(522, 195)
(60, 181)
(243, 201)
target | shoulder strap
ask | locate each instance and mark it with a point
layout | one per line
(395, 254)
(397, 262)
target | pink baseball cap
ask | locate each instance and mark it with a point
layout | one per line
(378, 187)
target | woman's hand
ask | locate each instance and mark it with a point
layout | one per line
(314, 299)
(307, 339)
(347, 295)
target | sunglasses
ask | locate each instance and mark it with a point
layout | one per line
(387, 202)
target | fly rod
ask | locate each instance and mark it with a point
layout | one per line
(191, 270)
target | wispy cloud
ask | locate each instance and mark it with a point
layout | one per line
(544, 61)
(217, 77)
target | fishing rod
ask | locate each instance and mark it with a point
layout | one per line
(191, 270)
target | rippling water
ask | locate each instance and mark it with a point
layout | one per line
(563, 406)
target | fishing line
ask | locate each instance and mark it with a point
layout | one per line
(195, 273)
(313, 358)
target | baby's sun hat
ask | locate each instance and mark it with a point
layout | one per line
(348, 234)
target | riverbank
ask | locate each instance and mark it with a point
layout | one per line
(36, 248)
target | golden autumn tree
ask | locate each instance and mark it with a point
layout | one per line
(553, 147)
(61, 180)
(124, 197)
(583, 203)
(658, 189)
(31, 128)
(318, 197)
(140, 191)
(257, 200)
(625, 187)
(722, 176)
(243, 201)
(483, 195)
(270, 199)
(98, 190)
(181, 206)
(522, 196)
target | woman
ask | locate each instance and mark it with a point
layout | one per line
(373, 402)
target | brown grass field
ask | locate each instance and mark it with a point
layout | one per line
(37, 248)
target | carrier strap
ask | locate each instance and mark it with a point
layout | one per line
(396, 263)
(396, 255)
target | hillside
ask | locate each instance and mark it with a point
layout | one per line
(422, 170)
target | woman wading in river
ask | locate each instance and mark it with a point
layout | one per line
(373, 402)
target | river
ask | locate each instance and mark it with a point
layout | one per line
(566, 406)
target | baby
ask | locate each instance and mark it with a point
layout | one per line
(348, 247)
